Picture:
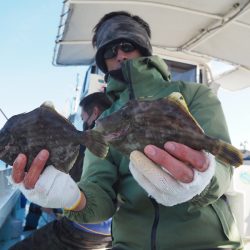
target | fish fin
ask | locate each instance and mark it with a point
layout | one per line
(178, 99)
(229, 154)
(48, 104)
(95, 142)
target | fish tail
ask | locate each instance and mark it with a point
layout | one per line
(228, 153)
(95, 142)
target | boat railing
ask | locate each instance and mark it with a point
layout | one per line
(8, 196)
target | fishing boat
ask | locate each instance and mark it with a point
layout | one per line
(193, 37)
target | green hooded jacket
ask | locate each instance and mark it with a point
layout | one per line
(139, 222)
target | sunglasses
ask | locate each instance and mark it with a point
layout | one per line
(112, 51)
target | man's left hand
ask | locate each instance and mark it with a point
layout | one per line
(173, 176)
(178, 159)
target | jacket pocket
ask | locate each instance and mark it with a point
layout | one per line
(227, 220)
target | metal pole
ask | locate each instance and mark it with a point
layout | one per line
(6, 165)
(3, 114)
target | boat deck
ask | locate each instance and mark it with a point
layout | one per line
(13, 231)
(13, 212)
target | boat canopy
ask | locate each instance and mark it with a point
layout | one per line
(199, 31)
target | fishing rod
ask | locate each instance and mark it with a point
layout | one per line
(6, 165)
(3, 114)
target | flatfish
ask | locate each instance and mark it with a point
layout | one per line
(134, 126)
(141, 122)
(45, 128)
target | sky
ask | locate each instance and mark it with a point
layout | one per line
(236, 106)
(28, 78)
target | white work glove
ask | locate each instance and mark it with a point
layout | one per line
(161, 186)
(54, 189)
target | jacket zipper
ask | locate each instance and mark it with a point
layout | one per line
(155, 224)
(129, 80)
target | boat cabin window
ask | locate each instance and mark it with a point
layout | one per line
(182, 71)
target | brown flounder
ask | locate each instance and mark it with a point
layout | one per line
(140, 123)
(131, 128)
(44, 128)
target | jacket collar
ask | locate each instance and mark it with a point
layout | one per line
(148, 75)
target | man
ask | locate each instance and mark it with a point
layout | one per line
(64, 233)
(91, 108)
(146, 220)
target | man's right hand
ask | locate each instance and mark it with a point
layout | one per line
(30, 178)
(52, 188)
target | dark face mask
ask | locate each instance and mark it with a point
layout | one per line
(117, 74)
(86, 126)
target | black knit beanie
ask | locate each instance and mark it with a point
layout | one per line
(121, 28)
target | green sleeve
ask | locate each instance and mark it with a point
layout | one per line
(97, 183)
(207, 110)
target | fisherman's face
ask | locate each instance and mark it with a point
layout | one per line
(115, 54)
(89, 120)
